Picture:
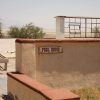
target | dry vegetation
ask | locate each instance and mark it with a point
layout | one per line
(88, 93)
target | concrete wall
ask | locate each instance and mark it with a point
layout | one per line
(22, 92)
(81, 57)
(24, 88)
(26, 64)
(79, 60)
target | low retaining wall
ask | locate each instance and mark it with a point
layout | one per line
(21, 87)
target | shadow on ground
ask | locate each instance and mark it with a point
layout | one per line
(6, 97)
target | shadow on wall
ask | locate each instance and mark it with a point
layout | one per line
(8, 97)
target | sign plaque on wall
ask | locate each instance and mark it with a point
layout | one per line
(50, 50)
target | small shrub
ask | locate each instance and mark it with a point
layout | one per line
(27, 31)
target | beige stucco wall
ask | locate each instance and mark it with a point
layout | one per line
(26, 59)
(22, 92)
(18, 56)
(79, 64)
(81, 57)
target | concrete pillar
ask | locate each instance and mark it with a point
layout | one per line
(60, 27)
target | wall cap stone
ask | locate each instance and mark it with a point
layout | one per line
(75, 40)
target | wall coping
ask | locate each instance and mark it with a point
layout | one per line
(47, 92)
(75, 40)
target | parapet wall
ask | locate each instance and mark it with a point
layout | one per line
(59, 61)
(25, 88)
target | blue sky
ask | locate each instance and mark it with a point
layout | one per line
(42, 12)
